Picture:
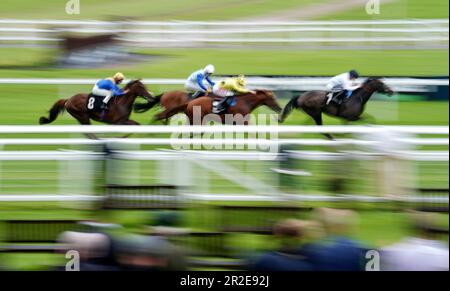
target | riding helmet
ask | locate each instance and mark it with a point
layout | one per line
(209, 69)
(241, 80)
(354, 74)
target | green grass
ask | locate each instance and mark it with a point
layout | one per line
(398, 9)
(173, 63)
(207, 10)
(147, 9)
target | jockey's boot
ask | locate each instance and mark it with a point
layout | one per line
(220, 106)
(329, 96)
(104, 106)
(336, 97)
(197, 94)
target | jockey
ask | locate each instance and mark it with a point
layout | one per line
(195, 83)
(342, 84)
(229, 88)
(108, 88)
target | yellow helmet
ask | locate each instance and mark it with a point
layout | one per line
(118, 76)
(241, 80)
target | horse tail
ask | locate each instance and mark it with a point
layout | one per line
(142, 107)
(288, 108)
(56, 109)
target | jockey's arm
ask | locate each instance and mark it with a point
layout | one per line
(210, 81)
(241, 90)
(350, 85)
(117, 91)
(200, 82)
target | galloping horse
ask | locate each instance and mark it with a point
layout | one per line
(170, 101)
(118, 113)
(314, 103)
(245, 104)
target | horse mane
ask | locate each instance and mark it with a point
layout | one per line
(367, 81)
(370, 79)
(131, 83)
(261, 91)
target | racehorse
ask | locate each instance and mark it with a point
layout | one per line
(314, 103)
(170, 101)
(239, 113)
(118, 113)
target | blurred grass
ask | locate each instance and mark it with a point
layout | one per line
(398, 9)
(147, 9)
(167, 63)
(208, 10)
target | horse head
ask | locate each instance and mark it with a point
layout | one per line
(137, 88)
(378, 86)
(269, 99)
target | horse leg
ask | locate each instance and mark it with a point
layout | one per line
(368, 118)
(84, 120)
(318, 119)
(162, 116)
(129, 122)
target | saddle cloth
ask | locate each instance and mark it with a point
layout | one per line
(94, 103)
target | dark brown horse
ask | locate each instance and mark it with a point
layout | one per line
(118, 113)
(314, 103)
(197, 109)
(170, 101)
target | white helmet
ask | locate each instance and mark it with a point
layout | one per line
(209, 69)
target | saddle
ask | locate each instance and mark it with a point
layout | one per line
(94, 103)
(339, 97)
(221, 104)
(191, 96)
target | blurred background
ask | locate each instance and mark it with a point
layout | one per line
(144, 206)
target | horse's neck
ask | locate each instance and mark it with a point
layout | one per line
(128, 99)
(252, 101)
(365, 93)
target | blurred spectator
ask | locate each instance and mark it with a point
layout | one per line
(167, 223)
(288, 258)
(419, 253)
(336, 252)
(149, 253)
(95, 250)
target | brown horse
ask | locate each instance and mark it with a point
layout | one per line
(118, 113)
(237, 114)
(314, 103)
(170, 101)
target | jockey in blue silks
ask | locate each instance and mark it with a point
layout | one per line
(109, 88)
(196, 84)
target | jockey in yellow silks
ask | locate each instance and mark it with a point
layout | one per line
(229, 88)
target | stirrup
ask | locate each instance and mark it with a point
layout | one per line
(216, 107)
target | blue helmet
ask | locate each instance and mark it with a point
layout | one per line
(354, 74)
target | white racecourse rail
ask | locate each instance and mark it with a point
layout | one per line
(152, 129)
(409, 33)
(273, 83)
(383, 141)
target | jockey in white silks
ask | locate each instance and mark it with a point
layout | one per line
(343, 84)
(196, 84)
